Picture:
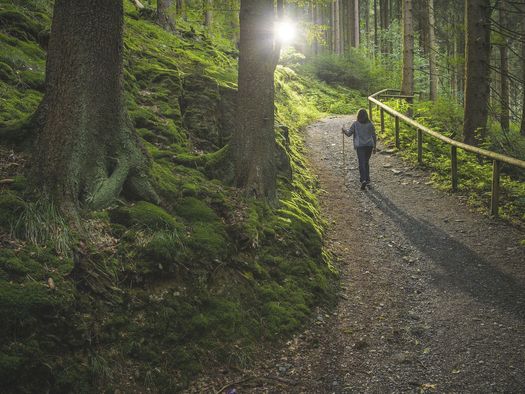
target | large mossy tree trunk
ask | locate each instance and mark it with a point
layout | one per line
(166, 13)
(407, 82)
(477, 69)
(86, 150)
(253, 142)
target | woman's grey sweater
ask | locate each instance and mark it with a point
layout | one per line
(364, 134)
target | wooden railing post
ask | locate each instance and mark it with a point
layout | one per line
(496, 168)
(398, 144)
(382, 116)
(420, 146)
(370, 114)
(454, 167)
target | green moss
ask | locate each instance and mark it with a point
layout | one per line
(144, 214)
(195, 210)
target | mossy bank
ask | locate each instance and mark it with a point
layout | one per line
(157, 292)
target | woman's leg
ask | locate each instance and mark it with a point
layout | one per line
(361, 158)
(368, 154)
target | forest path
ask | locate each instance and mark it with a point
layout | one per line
(433, 295)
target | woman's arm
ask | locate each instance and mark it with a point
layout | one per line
(350, 130)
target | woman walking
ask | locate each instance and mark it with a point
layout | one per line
(365, 140)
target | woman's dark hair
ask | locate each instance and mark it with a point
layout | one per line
(362, 116)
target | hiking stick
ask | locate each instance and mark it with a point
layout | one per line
(344, 158)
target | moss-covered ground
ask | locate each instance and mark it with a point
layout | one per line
(156, 293)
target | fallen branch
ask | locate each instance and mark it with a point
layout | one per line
(6, 181)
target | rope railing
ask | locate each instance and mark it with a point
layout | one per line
(497, 158)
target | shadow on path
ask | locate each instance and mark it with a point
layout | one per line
(466, 270)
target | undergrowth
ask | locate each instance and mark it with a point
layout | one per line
(155, 293)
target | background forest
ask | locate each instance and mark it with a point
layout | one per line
(145, 284)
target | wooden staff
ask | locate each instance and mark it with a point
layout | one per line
(344, 157)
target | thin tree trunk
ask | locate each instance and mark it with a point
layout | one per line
(357, 37)
(349, 25)
(522, 128)
(453, 67)
(87, 150)
(504, 77)
(253, 142)
(208, 13)
(432, 48)
(367, 22)
(407, 83)
(337, 24)
(375, 26)
(477, 69)
(166, 12)
(333, 28)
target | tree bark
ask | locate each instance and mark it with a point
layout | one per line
(356, 35)
(522, 128)
(432, 49)
(504, 77)
(407, 83)
(87, 151)
(166, 12)
(477, 69)
(375, 26)
(337, 24)
(253, 142)
(208, 13)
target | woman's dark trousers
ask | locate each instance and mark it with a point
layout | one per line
(363, 155)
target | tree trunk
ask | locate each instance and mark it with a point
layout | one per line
(253, 142)
(87, 150)
(407, 83)
(208, 13)
(432, 49)
(504, 77)
(166, 12)
(477, 69)
(375, 26)
(356, 24)
(367, 22)
(385, 23)
(349, 25)
(337, 24)
(522, 128)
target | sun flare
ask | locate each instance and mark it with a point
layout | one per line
(285, 31)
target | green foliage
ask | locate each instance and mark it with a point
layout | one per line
(475, 176)
(355, 70)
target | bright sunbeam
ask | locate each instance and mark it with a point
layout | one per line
(285, 31)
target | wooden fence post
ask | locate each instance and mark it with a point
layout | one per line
(420, 146)
(496, 168)
(398, 143)
(382, 115)
(370, 114)
(454, 167)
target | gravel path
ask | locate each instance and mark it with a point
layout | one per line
(433, 294)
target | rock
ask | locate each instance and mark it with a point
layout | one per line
(387, 165)
(396, 172)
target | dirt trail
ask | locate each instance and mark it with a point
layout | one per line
(433, 294)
